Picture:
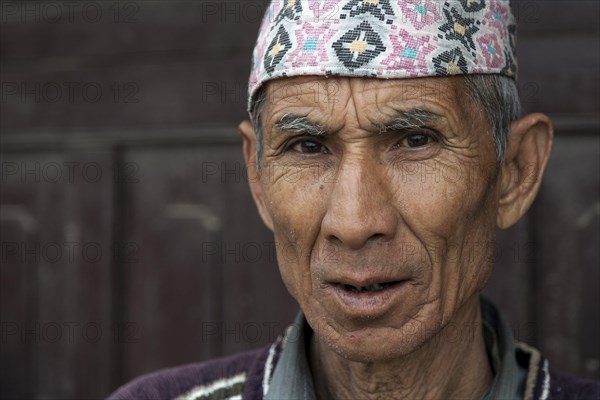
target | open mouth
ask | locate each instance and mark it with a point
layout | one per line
(366, 296)
(376, 287)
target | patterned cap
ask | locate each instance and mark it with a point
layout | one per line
(384, 39)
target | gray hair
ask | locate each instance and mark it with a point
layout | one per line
(496, 96)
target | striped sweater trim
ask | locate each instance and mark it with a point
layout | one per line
(225, 388)
(274, 350)
(233, 387)
(537, 386)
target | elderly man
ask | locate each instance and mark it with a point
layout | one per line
(386, 145)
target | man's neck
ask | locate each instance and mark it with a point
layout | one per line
(440, 369)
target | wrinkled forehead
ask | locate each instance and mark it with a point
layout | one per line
(370, 100)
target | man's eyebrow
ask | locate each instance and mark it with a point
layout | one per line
(409, 119)
(299, 124)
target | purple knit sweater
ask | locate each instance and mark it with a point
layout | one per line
(225, 378)
(248, 376)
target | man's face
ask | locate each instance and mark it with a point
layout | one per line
(382, 198)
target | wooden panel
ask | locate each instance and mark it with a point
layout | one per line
(566, 85)
(255, 302)
(197, 287)
(19, 228)
(182, 94)
(63, 203)
(174, 64)
(169, 291)
(567, 232)
(556, 17)
(157, 29)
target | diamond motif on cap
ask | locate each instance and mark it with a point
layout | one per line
(358, 46)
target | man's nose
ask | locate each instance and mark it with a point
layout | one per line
(361, 207)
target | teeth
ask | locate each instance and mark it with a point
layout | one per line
(362, 289)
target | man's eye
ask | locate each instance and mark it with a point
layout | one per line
(416, 140)
(308, 147)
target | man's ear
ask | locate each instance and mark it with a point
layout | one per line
(254, 179)
(529, 147)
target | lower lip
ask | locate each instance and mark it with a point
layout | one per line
(367, 304)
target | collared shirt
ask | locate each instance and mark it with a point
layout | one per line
(292, 377)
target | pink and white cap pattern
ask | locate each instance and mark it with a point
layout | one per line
(384, 39)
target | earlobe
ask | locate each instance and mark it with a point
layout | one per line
(529, 147)
(249, 147)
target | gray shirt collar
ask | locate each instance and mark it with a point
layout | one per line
(292, 377)
(509, 377)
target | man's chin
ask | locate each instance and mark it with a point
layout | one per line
(370, 345)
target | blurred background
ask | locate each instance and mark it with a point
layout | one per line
(129, 241)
